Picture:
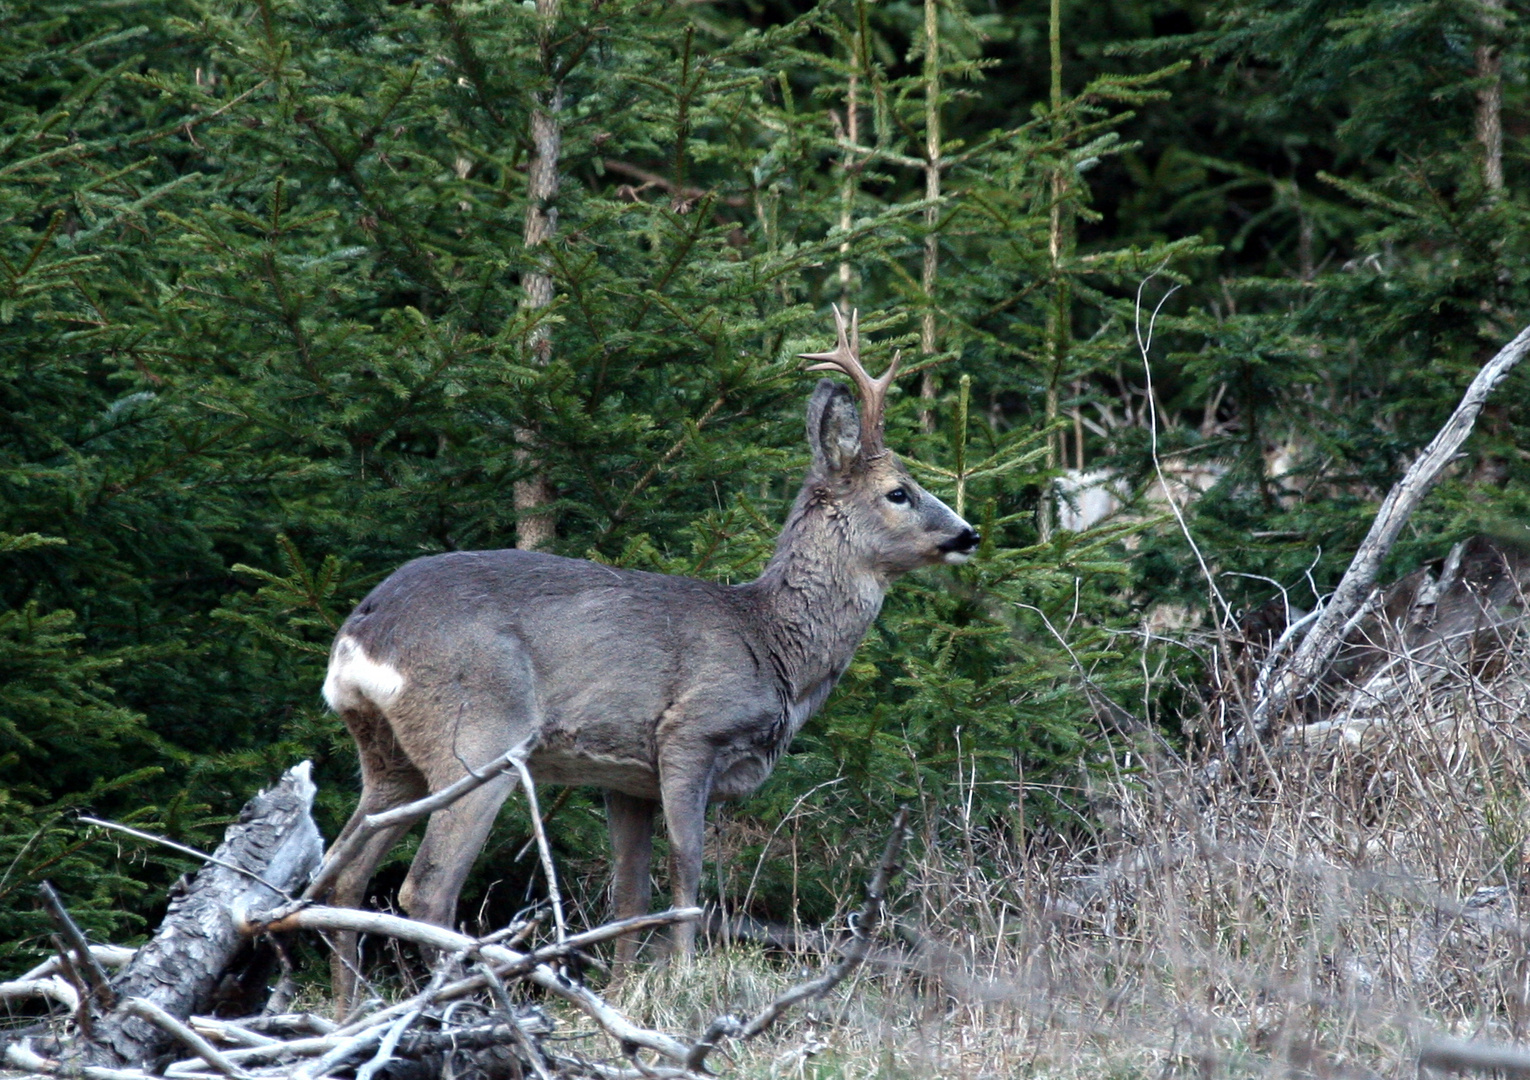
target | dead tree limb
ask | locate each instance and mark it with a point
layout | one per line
(84, 961)
(170, 1025)
(1296, 678)
(178, 971)
(530, 966)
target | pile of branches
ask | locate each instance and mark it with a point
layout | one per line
(478, 1014)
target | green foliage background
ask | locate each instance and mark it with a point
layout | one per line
(262, 340)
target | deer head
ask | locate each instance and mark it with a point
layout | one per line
(884, 513)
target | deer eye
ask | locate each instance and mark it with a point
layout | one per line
(897, 496)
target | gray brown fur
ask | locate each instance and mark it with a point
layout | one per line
(666, 691)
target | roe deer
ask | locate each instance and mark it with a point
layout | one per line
(666, 691)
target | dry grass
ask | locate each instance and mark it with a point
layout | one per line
(1344, 902)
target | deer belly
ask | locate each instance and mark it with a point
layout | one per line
(601, 758)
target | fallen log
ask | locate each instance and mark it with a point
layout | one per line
(269, 853)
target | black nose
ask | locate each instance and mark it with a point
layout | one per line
(963, 541)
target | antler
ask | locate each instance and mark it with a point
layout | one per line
(846, 359)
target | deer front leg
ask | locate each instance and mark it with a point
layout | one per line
(630, 820)
(686, 785)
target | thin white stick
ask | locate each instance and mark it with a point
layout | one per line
(559, 928)
(343, 1049)
(255, 1055)
(49, 986)
(389, 1044)
(1144, 346)
(21, 1055)
(105, 955)
(155, 1014)
(222, 1029)
(184, 850)
(341, 854)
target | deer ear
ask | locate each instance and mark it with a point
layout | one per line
(833, 427)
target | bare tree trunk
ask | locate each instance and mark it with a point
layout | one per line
(534, 528)
(932, 167)
(1490, 98)
(1323, 639)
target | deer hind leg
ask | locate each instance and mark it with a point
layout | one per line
(449, 727)
(452, 841)
(685, 780)
(630, 820)
(388, 779)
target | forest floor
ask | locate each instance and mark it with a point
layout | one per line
(1354, 904)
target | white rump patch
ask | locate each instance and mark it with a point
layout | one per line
(355, 679)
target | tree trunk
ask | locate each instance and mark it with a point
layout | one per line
(1059, 248)
(534, 527)
(847, 183)
(1490, 97)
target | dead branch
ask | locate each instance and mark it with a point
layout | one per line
(1296, 679)
(420, 1037)
(114, 956)
(687, 195)
(84, 960)
(183, 849)
(148, 1010)
(543, 850)
(274, 839)
(533, 967)
(51, 986)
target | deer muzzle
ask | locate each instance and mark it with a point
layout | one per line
(960, 547)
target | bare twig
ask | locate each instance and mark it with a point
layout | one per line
(532, 966)
(106, 955)
(1145, 348)
(548, 870)
(502, 1001)
(185, 850)
(342, 854)
(229, 1031)
(388, 1045)
(50, 986)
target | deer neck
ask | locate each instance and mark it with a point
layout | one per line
(816, 597)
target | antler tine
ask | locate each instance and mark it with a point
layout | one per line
(846, 359)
